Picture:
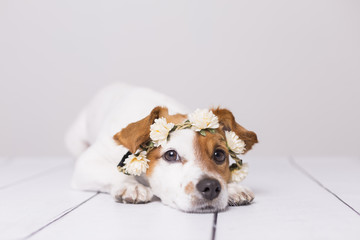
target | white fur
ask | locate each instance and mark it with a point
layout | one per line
(169, 180)
(239, 195)
(90, 139)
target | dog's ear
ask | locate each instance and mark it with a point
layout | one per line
(227, 120)
(138, 132)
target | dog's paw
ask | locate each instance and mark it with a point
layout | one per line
(132, 193)
(239, 195)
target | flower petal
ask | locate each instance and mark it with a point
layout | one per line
(159, 131)
(136, 165)
(234, 143)
(203, 119)
(238, 175)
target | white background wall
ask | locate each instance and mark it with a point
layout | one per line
(289, 70)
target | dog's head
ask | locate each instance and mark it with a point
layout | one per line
(191, 170)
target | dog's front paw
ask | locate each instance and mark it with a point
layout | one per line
(239, 195)
(132, 193)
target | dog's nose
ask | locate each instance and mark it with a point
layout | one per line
(209, 188)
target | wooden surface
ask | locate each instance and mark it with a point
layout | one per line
(296, 198)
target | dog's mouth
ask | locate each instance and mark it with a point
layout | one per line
(201, 205)
(199, 208)
(206, 209)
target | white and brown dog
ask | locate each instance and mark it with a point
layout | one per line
(189, 172)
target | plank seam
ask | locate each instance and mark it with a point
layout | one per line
(214, 226)
(63, 214)
(302, 170)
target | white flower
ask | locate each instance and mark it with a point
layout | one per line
(159, 131)
(237, 175)
(234, 143)
(135, 165)
(203, 119)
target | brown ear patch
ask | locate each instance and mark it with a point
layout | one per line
(176, 118)
(138, 132)
(227, 120)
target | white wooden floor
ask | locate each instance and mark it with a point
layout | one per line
(296, 198)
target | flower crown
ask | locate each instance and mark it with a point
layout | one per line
(202, 121)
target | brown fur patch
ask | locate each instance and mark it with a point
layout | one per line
(206, 145)
(138, 132)
(228, 123)
(189, 188)
(176, 118)
(204, 150)
(154, 156)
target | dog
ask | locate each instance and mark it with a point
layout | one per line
(188, 171)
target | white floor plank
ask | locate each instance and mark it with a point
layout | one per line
(14, 171)
(32, 204)
(288, 205)
(103, 218)
(340, 175)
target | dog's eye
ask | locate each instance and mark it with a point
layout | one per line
(219, 156)
(171, 156)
